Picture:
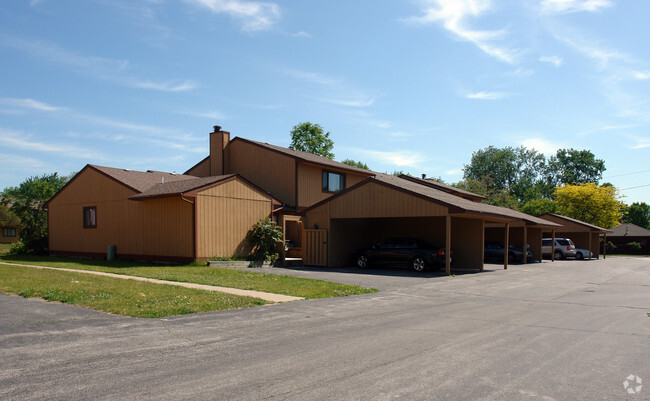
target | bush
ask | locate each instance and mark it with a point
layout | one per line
(18, 248)
(610, 246)
(634, 246)
(265, 236)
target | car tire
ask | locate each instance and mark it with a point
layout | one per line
(418, 264)
(363, 262)
(579, 256)
(557, 255)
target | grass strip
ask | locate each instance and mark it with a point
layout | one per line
(113, 295)
(233, 278)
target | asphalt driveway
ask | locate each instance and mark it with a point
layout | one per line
(562, 330)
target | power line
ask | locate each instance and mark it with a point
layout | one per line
(640, 186)
(621, 175)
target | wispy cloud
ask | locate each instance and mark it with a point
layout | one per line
(398, 158)
(572, 6)
(555, 60)
(333, 90)
(29, 104)
(453, 15)
(253, 15)
(100, 67)
(592, 49)
(641, 75)
(486, 95)
(23, 141)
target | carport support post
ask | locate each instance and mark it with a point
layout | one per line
(605, 247)
(589, 256)
(553, 246)
(448, 245)
(506, 247)
(525, 244)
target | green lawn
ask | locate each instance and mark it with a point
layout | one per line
(234, 278)
(4, 248)
(113, 295)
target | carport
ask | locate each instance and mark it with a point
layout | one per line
(583, 235)
(388, 206)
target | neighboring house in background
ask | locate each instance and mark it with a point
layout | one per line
(207, 211)
(8, 234)
(625, 233)
(584, 235)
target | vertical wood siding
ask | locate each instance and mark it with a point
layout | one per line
(225, 213)
(374, 200)
(156, 227)
(200, 170)
(467, 243)
(267, 169)
(310, 183)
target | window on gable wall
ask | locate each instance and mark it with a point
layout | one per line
(90, 217)
(333, 182)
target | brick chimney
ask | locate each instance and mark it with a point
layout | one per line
(218, 141)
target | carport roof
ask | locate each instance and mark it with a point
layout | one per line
(456, 204)
(591, 227)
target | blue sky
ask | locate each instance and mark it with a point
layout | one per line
(401, 85)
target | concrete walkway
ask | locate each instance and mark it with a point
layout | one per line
(266, 296)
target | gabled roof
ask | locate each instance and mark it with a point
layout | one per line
(189, 187)
(629, 230)
(442, 187)
(576, 221)
(306, 157)
(180, 187)
(140, 181)
(455, 203)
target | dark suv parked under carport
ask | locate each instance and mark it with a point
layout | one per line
(411, 252)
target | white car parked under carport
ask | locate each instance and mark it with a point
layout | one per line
(583, 254)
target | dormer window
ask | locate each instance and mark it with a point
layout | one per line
(333, 182)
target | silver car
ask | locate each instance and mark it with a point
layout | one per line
(564, 248)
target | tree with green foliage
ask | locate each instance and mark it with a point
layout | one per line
(597, 205)
(570, 166)
(265, 236)
(353, 163)
(7, 218)
(638, 213)
(26, 202)
(537, 207)
(484, 187)
(308, 137)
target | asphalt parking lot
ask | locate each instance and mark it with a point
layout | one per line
(567, 330)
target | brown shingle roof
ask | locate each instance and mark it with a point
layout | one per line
(306, 157)
(441, 186)
(629, 230)
(180, 186)
(576, 221)
(140, 181)
(458, 204)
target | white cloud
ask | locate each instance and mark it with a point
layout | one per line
(542, 145)
(398, 158)
(641, 75)
(29, 104)
(100, 67)
(453, 15)
(20, 140)
(556, 61)
(486, 95)
(254, 16)
(571, 6)
(333, 90)
(594, 50)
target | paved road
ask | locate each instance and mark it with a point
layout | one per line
(566, 330)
